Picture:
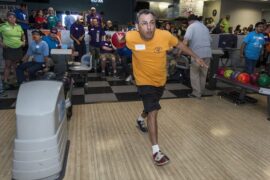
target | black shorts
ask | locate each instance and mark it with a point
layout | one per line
(150, 96)
(13, 54)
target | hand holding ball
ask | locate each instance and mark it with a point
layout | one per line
(118, 40)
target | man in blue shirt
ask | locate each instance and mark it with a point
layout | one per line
(69, 20)
(252, 46)
(77, 34)
(21, 17)
(52, 39)
(39, 50)
(96, 35)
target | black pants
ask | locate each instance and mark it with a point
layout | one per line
(81, 50)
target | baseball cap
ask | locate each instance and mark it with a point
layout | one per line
(54, 30)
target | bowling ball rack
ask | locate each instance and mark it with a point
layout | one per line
(238, 98)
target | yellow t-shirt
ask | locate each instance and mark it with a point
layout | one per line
(149, 57)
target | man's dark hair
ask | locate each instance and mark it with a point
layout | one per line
(145, 11)
(23, 5)
(192, 17)
(258, 24)
(67, 12)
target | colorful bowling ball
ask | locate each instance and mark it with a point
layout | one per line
(228, 73)
(221, 71)
(243, 78)
(116, 41)
(254, 78)
(264, 80)
(235, 74)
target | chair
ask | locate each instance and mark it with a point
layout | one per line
(82, 69)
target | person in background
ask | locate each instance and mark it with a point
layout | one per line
(107, 53)
(40, 20)
(21, 17)
(32, 19)
(12, 40)
(237, 30)
(96, 35)
(77, 34)
(93, 15)
(51, 19)
(39, 50)
(59, 26)
(69, 20)
(252, 46)
(52, 39)
(250, 28)
(226, 23)
(109, 26)
(198, 39)
(245, 31)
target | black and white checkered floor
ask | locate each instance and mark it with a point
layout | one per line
(105, 90)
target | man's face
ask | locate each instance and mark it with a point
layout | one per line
(11, 19)
(95, 22)
(146, 26)
(36, 37)
(260, 28)
(53, 35)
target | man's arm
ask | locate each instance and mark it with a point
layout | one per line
(243, 46)
(189, 52)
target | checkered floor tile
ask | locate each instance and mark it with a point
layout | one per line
(105, 90)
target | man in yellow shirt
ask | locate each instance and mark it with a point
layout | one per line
(149, 46)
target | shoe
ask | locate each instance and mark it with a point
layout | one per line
(3, 94)
(103, 75)
(193, 96)
(128, 79)
(6, 86)
(115, 75)
(142, 127)
(160, 158)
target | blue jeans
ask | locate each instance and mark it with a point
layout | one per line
(250, 65)
(32, 67)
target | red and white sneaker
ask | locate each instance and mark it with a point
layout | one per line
(160, 158)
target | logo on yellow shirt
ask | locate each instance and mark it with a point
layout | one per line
(157, 50)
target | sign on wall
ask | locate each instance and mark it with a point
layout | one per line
(188, 7)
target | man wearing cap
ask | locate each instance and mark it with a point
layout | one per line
(52, 39)
(198, 38)
(51, 19)
(77, 34)
(93, 14)
(39, 50)
(12, 40)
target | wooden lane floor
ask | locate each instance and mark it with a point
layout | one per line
(208, 139)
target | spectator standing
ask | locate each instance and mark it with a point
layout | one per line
(77, 34)
(69, 20)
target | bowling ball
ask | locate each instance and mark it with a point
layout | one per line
(264, 80)
(243, 78)
(254, 78)
(228, 73)
(234, 75)
(115, 40)
(221, 71)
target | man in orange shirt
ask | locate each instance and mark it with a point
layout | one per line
(149, 46)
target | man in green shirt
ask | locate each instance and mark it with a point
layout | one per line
(12, 40)
(51, 19)
(225, 23)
